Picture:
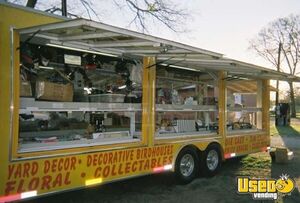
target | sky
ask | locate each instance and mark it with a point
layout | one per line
(223, 26)
(227, 26)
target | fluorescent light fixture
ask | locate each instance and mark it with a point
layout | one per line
(78, 49)
(188, 87)
(45, 67)
(93, 181)
(180, 67)
(122, 87)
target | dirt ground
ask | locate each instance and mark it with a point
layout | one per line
(221, 188)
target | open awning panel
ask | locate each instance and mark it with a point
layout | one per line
(109, 39)
(105, 39)
(245, 87)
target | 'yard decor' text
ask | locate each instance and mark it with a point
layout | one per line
(71, 171)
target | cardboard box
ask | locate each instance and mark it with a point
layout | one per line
(281, 155)
(25, 89)
(53, 91)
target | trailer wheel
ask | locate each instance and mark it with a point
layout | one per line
(187, 165)
(211, 160)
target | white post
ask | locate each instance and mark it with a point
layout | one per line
(132, 123)
(259, 104)
(206, 114)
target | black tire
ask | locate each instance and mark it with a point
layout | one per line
(208, 166)
(184, 170)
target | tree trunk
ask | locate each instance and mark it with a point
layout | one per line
(31, 3)
(293, 104)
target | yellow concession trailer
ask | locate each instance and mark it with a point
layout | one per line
(85, 103)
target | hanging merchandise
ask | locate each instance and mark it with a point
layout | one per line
(28, 56)
(122, 68)
(45, 56)
(91, 62)
(136, 72)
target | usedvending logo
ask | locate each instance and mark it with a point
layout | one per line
(266, 189)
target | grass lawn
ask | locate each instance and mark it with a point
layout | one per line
(293, 130)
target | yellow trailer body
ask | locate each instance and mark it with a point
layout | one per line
(37, 173)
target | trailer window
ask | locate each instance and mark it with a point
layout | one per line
(74, 99)
(186, 103)
(244, 107)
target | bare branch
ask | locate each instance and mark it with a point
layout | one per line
(287, 60)
(285, 31)
(143, 13)
(159, 10)
(88, 7)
